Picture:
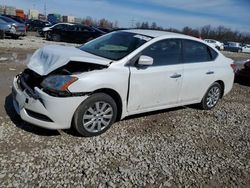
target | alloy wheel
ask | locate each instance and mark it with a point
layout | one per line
(213, 97)
(97, 117)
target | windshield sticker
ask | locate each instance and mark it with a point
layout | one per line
(143, 37)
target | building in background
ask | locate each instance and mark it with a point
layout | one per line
(78, 20)
(33, 14)
(69, 19)
(41, 17)
(9, 10)
(2, 9)
(20, 13)
(54, 18)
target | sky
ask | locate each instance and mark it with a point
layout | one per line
(166, 13)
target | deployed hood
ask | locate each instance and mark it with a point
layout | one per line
(52, 57)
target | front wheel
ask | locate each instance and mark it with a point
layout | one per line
(95, 115)
(56, 37)
(211, 97)
(2, 34)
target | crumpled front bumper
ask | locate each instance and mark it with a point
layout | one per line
(42, 109)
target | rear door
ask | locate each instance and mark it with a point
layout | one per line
(157, 86)
(199, 70)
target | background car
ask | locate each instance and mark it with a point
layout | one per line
(244, 73)
(233, 47)
(215, 43)
(15, 29)
(74, 33)
(36, 25)
(246, 48)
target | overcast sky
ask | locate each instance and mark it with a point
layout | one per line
(166, 13)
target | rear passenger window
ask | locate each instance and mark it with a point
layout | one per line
(194, 52)
(213, 53)
(165, 52)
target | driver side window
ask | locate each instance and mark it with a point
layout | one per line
(165, 52)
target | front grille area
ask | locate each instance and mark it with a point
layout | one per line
(31, 78)
(28, 80)
(38, 116)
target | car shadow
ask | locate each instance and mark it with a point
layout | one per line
(155, 112)
(18, 122)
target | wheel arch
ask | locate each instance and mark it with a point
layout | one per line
(117, 98)
(222, 87)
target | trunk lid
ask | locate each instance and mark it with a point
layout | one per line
(51, 57)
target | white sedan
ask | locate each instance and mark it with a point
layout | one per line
(117, 75)
(246, 48)
(215, 44)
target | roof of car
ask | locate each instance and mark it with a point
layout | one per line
(153, 33)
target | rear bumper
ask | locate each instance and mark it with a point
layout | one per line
(44, 110)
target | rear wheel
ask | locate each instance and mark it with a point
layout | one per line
(95, 115)
(211, 97)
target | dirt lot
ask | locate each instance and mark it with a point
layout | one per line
(172, 148)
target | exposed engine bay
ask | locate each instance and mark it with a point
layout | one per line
(29, 79)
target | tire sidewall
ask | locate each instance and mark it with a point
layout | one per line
(204, 100)
(56, 37)
(78, 117)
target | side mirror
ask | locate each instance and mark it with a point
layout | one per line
(145, 60)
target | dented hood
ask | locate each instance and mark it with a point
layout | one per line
(52, 57)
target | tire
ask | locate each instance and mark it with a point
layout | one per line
(56, 37)
(2, 34)
(95, 115)
(211, 97)
(218, 48)
(239, 50)
(15, 37)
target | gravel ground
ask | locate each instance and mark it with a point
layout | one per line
(31, 41)
(180, 147)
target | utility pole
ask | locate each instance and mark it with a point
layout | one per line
(45, 10)
(132, 22)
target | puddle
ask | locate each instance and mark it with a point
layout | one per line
(19, 57)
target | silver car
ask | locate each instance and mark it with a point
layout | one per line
(12, 27)
(3, 28)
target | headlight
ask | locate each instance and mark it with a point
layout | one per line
(58, 83)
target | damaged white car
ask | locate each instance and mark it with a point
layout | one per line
(117, 75)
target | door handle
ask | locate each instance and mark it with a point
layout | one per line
(175, 76)
(210, 72)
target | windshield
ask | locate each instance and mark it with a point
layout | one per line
(115, 45)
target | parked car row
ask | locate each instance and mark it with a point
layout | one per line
(11, 27)
(229, 46)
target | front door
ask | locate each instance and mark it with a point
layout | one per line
(156, 86)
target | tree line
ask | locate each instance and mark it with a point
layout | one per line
(220, 33)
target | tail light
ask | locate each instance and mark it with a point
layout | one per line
(233, 66)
